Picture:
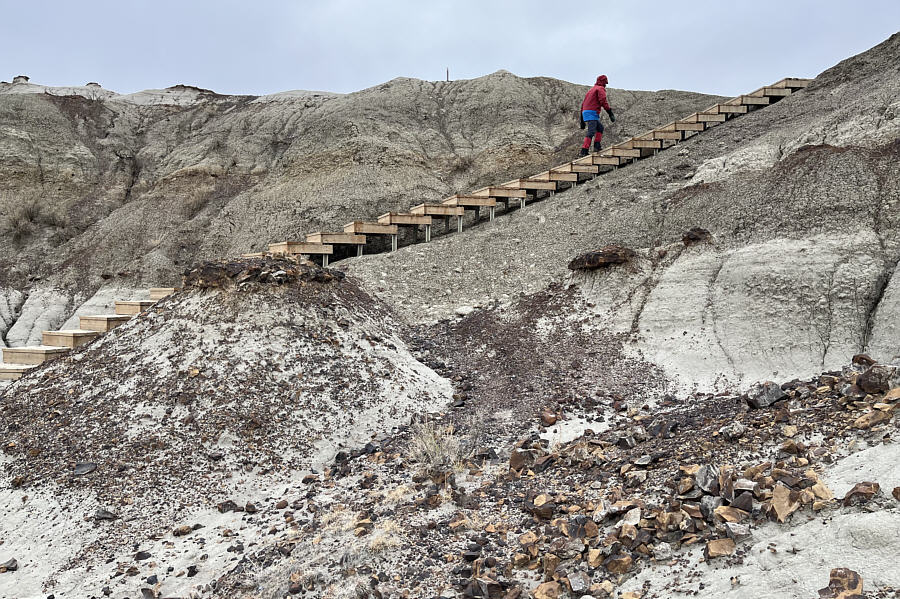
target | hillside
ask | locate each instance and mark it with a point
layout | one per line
(101, 190)
(800, 199)
(496, 414)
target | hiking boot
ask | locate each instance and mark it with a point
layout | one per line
(596, 146)
(584, 152)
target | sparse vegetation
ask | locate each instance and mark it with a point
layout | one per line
(23, 216)
(436, 447)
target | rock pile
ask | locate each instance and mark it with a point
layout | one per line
(580, 519)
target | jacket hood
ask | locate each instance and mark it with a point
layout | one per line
(602, 80)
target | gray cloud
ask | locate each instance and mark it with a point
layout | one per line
(345, 45)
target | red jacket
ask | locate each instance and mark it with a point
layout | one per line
(595, 99)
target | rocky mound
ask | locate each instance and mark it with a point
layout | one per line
(253, 376)
(761, 494)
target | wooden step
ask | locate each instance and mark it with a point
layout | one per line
(470, 201)
(297, 248)
(71, 338)
(102, 323)
(132, 307)
(531, 184)
(624, 153)
(581, 165)
(730, 109)
(779, 92)
(708, 117)
(437, 210)
(569, 177)
(34, 355)
(792, 83)
(359, 227)
(652, 144)
(755, 100)
(405, 219)
(157, 293)
(668, 135)
(254, 255)
(336, 238)
(13, 372)
(607, 160)
(690, 126)
(501, 192)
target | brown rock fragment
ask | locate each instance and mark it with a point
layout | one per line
(877, 378)
(719, 548)
(873, 418)
(618, 563)
(548, 418)
(548, 590)
(785, 502)
(861, 492)
(606, 256)
(896, 493)
(182, 531)
(843, 584)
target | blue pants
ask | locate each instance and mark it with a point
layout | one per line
(593, 127)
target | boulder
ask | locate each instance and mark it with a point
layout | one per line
(877, 379)
(763, 395)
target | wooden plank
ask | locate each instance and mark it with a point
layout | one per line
(132, 308)
(293, 248)
(705, 117)
(13, 372)
(731, 108)
(625, 153)
(34, 355)
(555, 176)
(501, 192)
(676, 135)
(754, 101)
(367, 228)
(336, 238)
(404, 218)
(794, 83)
(102, 323)
(68, 338)
(589, 168)
(653, 144)
(438, 210)
(157, 293)
(470, 201)
(776, 91)
(531, 184)
(608, 160)
(690, 126)
(254, 255)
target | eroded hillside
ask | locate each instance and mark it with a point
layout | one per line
(128, 191)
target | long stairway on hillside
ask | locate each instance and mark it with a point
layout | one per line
(421, 218)
(19, 360)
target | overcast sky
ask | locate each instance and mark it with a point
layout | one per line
(263, 46)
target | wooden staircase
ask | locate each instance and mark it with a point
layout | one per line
(570, 174)
(17, 361)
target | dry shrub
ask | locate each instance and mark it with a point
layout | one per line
(435, 447)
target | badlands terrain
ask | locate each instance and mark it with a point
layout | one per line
(713, 415)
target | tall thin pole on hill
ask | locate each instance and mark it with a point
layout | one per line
(448, 73)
